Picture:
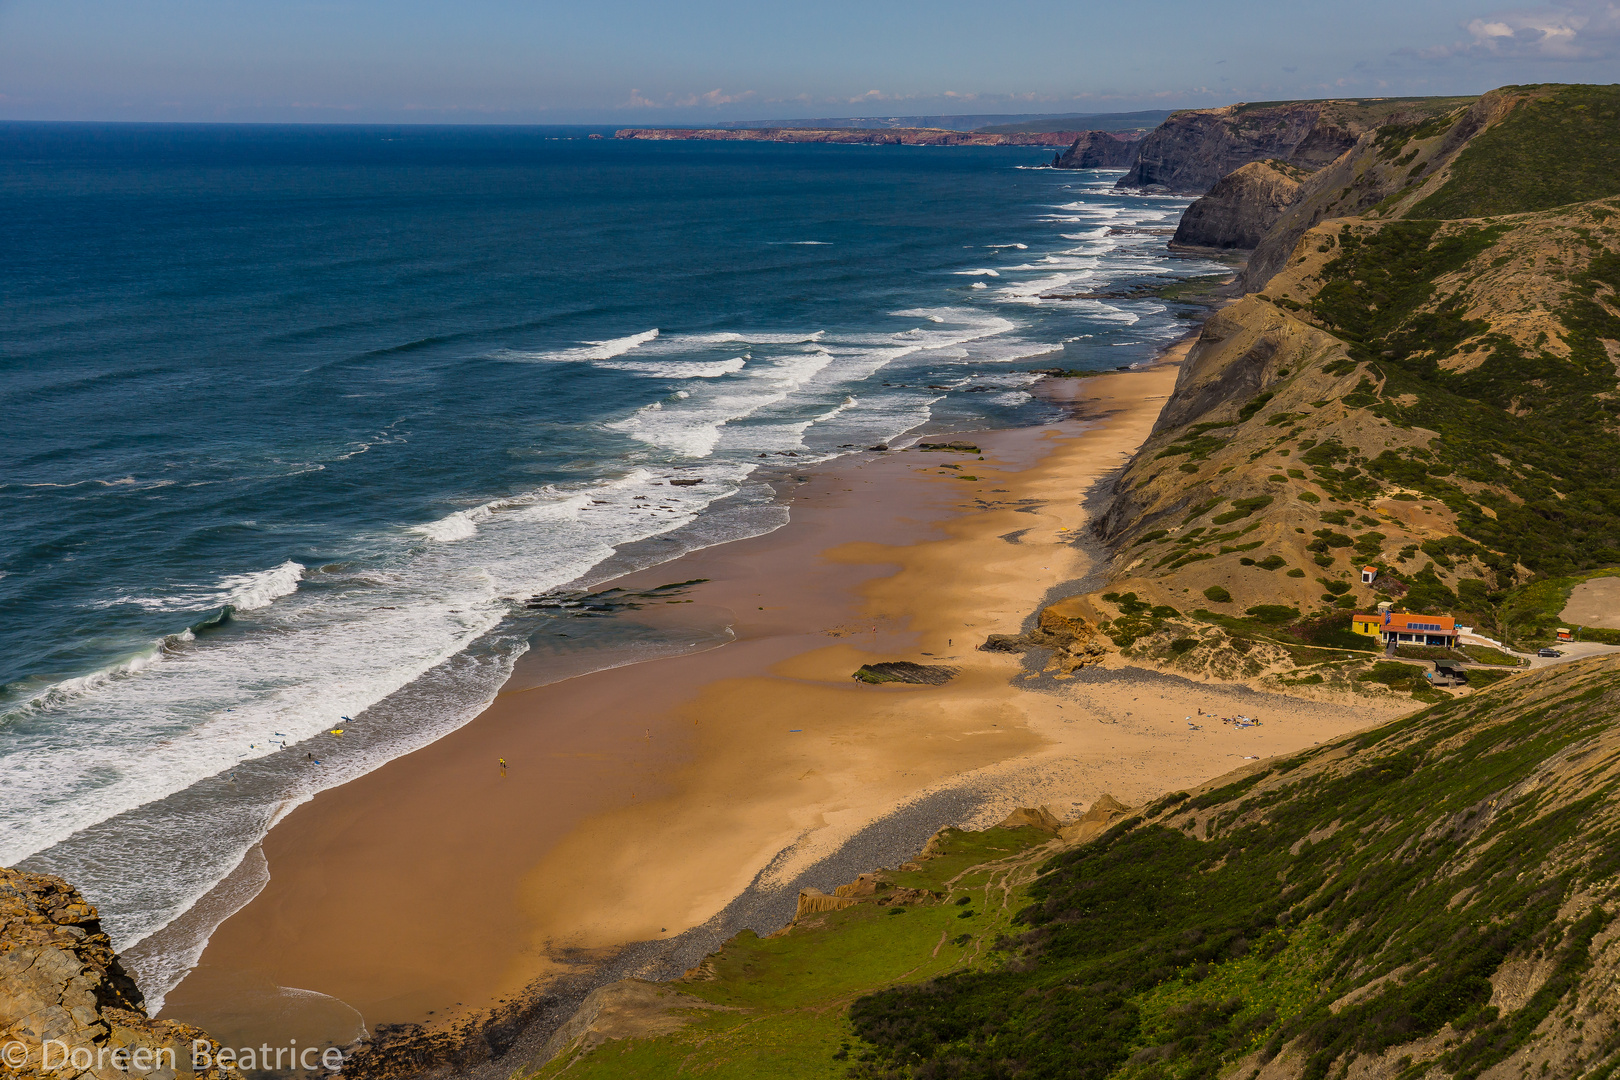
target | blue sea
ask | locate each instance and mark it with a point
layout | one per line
(298, 419)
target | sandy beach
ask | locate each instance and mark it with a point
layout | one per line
(639, 802)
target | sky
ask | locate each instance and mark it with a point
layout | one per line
(630, 62)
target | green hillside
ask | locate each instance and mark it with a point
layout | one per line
(1562, 146)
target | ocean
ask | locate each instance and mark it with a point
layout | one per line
(301, 419)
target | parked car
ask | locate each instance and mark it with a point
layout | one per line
(1548, 652)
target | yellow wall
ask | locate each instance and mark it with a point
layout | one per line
(1366, 629)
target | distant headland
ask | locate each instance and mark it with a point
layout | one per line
(856, 136)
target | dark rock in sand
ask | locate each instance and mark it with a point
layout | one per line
(904, 671)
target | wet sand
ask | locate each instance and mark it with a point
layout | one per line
(639, 801)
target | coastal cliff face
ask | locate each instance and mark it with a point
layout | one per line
(854, 136)
(1192, 150)
(1100, 150)
(1241, 208)
(67, 1007)
(1434, 399)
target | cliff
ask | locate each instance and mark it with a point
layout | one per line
(1241, 208)
(67, 1007)
(1436, 399)
(1100, 150)
(1514, 149)
(1193, 149)
(854, 136)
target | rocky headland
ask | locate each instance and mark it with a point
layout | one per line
(854, 136)
(1100, 150)
(1193, 149)
(68, 1008)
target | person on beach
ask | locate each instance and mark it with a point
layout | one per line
(503, 765)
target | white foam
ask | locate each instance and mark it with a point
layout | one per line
(691, 426)
(250, 592)
(680, 369)
(684, 341)
(586, 351)
(981, 272)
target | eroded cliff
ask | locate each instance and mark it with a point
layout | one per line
(1193, 149)
(1241, 208)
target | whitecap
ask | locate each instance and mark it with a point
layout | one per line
(587, 351)
(250, 592)
(680, 369)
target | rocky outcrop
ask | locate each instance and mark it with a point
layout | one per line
(67, 1006)
(1241, 208)
(854, 136)
(1100, 150)
(1075, 643)
(905, 671)
(1033, 817)
(1097, 819)
(1192, 150)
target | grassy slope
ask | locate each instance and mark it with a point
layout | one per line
(1554, 150)
(790, 993)
(1396, 873)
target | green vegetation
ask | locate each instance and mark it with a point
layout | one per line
(1241, 508)
(1273, 614)
(1217, 595)
(1479, 678)
(1137, 618)
(1544, 429)
(782, 998)
(1419, 856)
(1555, 149)
(1484, 654)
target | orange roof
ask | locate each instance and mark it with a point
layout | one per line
(1369, 569)
(1401, 622)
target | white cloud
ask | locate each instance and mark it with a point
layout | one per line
(709, 99)
(1574, 30)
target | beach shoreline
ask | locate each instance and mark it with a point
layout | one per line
(673, 802)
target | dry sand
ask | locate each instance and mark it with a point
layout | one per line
(640, 801)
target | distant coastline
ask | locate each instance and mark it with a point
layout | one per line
(855, 136)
